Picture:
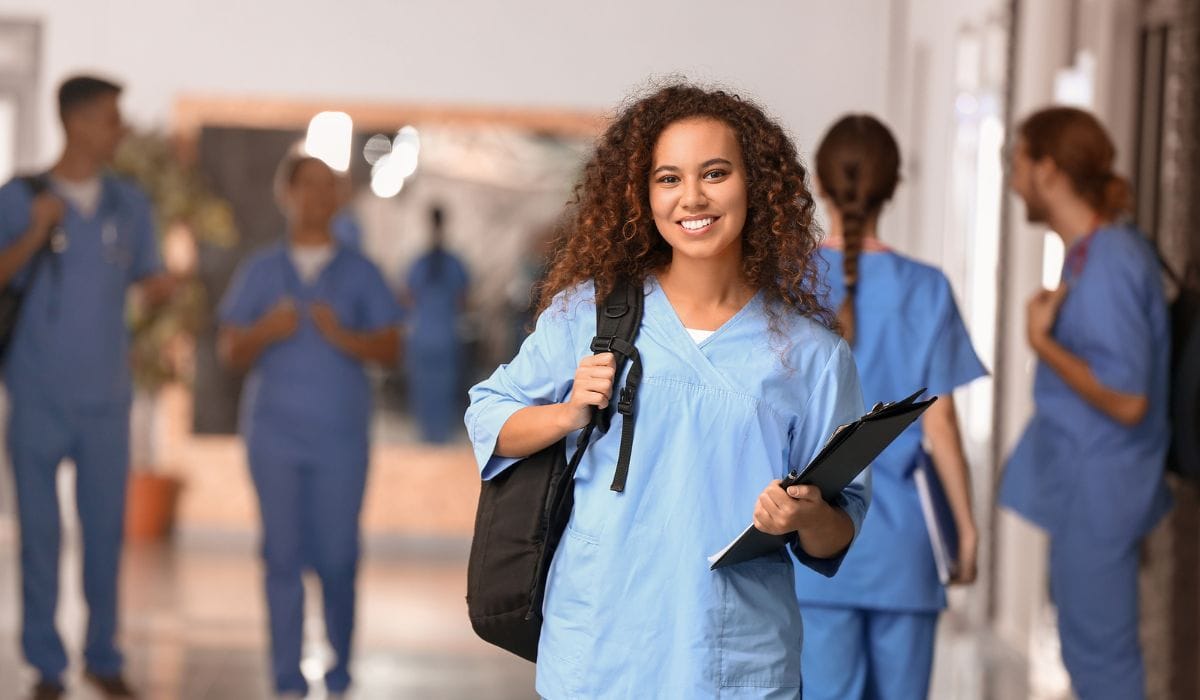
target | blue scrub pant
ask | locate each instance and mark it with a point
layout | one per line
(309, 506)
(40, 436)
(436, 395)
(1095, 588)
(851, 653)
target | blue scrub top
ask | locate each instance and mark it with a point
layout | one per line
(908, 335)
(436, 283)
(71, 343)
(1074, 464)
(632, 609)
(303, 389)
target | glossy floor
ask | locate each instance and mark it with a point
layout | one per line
(193, 628)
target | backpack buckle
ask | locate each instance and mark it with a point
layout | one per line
(602, 343)
(625, 404)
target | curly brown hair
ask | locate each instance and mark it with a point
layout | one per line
(611, 234)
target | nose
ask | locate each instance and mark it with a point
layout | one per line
(693, 197)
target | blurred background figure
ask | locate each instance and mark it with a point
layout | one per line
(435, 295)
(1089, 467)
(869, 631)
(521, 292)
(74, 239)
(304, 317)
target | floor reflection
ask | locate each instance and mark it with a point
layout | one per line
(194, 629)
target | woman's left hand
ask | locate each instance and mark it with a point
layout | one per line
(326, 321)
(780, 512)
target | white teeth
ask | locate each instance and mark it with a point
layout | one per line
(697, 224)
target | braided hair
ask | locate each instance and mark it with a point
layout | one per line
(858, 165)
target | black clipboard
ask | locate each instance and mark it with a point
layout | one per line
(849, 451)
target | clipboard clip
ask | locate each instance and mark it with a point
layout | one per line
(907, 401)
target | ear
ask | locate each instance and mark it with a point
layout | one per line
(70, 121)
(1045, 173)
(285, 202)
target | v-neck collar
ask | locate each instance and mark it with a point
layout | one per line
(105, 205)
(293, 273)
(681, 330)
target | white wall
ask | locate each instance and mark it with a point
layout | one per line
(1021, 550)
(942, 52)
(807, 61)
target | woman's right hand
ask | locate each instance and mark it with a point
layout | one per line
(281, 321)
(592, 389)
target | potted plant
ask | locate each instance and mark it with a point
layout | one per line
(162, 335)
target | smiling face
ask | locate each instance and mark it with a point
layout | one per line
(698, 189)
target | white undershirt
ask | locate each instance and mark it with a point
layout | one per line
(84, 195)
(699, 336)
(310, 260)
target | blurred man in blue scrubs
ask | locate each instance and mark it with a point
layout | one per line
(75, 247)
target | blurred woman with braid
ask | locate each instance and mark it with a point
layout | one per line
(869, 631)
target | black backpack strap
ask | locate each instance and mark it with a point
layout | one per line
(625, 406)
(618, 319)
(37, 184)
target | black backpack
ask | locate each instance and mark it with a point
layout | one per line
(524, 510)
(1183, 454)
(12, 297)
(1183, 457)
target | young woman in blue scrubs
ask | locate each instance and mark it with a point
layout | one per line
(869, 631)
(1089, 467)
(305, 317)
(700, 197)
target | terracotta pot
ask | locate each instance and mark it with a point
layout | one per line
(150, 506)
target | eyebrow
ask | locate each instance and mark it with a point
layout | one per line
(708, 163)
